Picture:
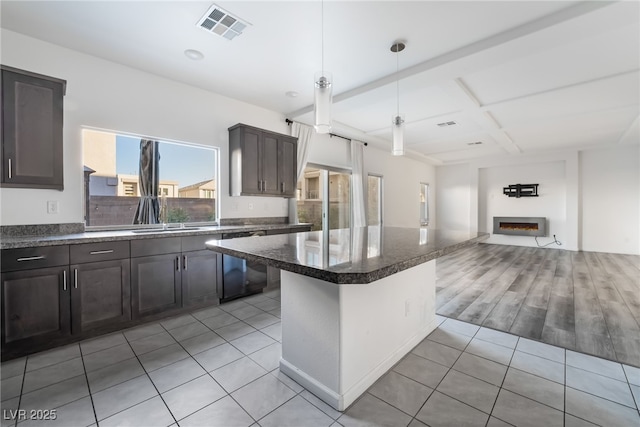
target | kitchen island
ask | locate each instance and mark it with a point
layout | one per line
(354, 301)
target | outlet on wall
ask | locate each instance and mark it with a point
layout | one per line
(52, 207)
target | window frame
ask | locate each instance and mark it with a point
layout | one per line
(216, 177)
(424, 221)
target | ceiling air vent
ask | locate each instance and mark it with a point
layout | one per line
(445, 124)
(219, 21)
(475, 143)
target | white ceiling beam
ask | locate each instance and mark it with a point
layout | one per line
(556, 89)
(632, 134)
(534, 26)
(472, 106)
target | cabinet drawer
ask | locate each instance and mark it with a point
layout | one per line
(146, 247)
(196, 243)
(103, 251)
(29, 258)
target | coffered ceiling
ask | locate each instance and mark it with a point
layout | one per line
(515, 76)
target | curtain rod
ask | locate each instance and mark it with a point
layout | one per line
(289, 122)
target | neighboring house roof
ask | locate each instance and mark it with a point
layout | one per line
(196, 185)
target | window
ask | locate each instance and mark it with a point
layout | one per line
(130, 188)
(187, 180)
(313, 186)
(374, 200)
(424, 204)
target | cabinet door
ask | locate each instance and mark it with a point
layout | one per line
(155, 284)
(288, 167)
(32, 131)
(199, 277)
(251, 164)
(270, 185)
(35, 306)
(100, 294)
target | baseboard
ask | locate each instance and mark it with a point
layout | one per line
(311, 384)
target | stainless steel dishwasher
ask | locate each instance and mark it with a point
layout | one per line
(241, 277)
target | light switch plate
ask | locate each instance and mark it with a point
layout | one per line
(52, 207)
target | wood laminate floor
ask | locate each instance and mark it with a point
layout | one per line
(583, 301)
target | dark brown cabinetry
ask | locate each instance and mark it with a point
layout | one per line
(100, 286)
(35, 296)
(170, 273)
(32, 119)
(261, 163)
(201, 271)
(156, 283)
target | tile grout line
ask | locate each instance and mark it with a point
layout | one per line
(24, 374)
(493, 407)
(244, 355)
(86, 377)
(450, 368)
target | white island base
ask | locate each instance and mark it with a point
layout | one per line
(337, 340)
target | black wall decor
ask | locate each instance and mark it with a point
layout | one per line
(521, 190)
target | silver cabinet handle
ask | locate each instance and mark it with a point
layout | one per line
(101, 252)
(31, 258)
(10, 168)
(184, 262)
(64, 280)
(75, 278)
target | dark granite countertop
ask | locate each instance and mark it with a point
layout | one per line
(345, 256)
(12, 242)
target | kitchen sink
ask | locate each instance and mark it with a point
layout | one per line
(166, 230)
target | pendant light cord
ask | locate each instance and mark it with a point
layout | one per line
(322, 33)
(398, 79)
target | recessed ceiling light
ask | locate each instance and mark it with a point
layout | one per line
(196, 55)
(292, 94)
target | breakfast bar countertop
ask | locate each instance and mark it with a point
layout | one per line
(349, 256)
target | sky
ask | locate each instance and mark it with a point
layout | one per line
(178, 162)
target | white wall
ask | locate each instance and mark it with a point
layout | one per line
(453, 197)
(610, 189)
(592, 197)
(550, 203)
(105, 95)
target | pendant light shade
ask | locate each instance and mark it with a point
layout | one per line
(398, 135)
(323, 95)
(398, 119)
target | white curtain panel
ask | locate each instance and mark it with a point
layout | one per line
(358, 181)
(304, 134)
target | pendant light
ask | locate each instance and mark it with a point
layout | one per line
(397, 122)
(323, 92)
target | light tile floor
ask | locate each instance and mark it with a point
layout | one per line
(219, 367)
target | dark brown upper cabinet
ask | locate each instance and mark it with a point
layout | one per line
(31, 130)
(261, 163)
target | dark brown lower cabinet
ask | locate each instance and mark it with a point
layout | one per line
(156, 284)
(200, 275)
(35, 306)
(100, 294)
